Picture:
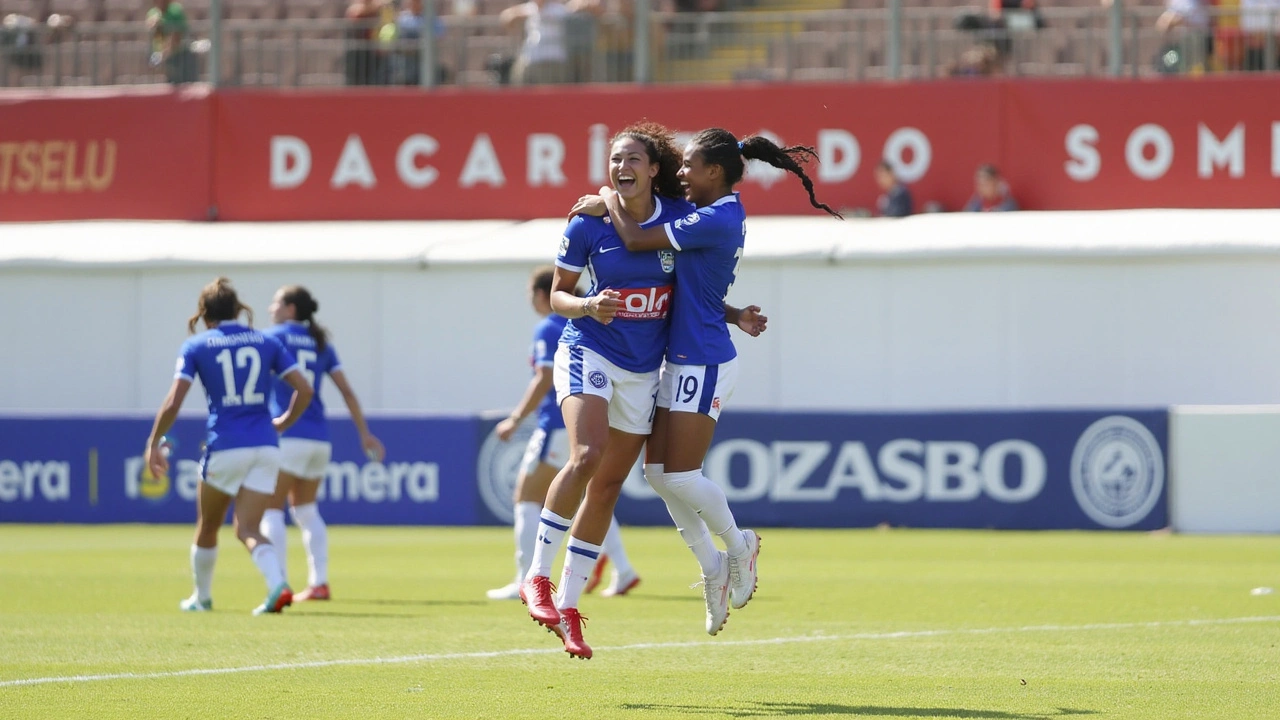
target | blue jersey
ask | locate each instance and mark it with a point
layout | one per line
(709, 244)
(636, 338)
(235, 364)
(545, 340)
(314, 365)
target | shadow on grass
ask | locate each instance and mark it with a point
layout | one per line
(785, 709)
(426, 603)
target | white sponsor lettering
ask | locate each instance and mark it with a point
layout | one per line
(377, 482)
(902, 140)
(1214, 153)
(838, 155)
(290, 161)
(546, 156)
(598, 154)
(414, 147)
(905, 470)
(1085, 162)
(482, 165)
(50, 480)
(1135, 152)
(353, 166)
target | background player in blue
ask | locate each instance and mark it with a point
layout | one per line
(548, 451)
(701, 364)
(305, 448)
(235, 364)
(605, 372)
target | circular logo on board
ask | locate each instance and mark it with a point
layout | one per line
(597, 379)
(1117, 471)
(497, 469)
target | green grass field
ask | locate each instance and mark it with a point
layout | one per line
(866, 624)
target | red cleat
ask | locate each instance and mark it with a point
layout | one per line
(315, 592)
(536, 594)
(571, 632)
(597, 574)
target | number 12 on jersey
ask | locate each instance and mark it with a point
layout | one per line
(245, 357)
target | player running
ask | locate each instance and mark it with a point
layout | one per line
(304, 448)
(234, 363)
(548, 451)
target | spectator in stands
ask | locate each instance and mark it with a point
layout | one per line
(363, 62)
(979, 61)
(991, 192)
(543, 56)
(1189, 18)
(896, 198)
(170, 42)
(405, 62)
(1258, 19)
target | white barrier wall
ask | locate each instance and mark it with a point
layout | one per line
(1224, 469)
(932, 312)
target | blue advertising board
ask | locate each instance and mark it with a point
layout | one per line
(1094, 469)
(87, 470)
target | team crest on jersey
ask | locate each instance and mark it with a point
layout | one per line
(690, 219)
(715, 403)
(597, 379)
(668, 259)
(564, 246)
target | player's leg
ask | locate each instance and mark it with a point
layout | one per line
(273, 527)
(252, 500)
(309, 472)
(211, 508)
(530, 492)
(315, 537)
(624, 578)
(700, 392)
(688, 523)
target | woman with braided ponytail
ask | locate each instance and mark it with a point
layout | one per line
(701, 365)
(305, 448)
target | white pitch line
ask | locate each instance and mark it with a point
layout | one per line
(405, 659)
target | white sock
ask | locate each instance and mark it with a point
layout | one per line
(202, 562)
(551, 530)
(711, 505)
(268, 562)
(272, 526)
(579, 562)
(688, 522)
(315, 538)
(613, 548)
(526, 532)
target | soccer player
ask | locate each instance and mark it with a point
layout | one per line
(547, 452)
(235, 364)
(305, 448)
(701, 366)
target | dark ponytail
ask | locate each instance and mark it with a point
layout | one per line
(719, 147)
(304, 309)
(218, 302)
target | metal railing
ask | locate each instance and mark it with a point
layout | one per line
(848, 45)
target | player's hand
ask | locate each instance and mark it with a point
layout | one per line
(156, 462)
(281, 423)
(751, 321)
(507, 428)
(373, 448)
(607, 193)
(604, 306)
(592, 205)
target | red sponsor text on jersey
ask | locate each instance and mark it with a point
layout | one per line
(645, 303)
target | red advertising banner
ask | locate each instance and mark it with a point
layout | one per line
(531, 153)
(525, 153)
(105, 153)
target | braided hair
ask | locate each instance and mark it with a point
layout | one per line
(719, 147)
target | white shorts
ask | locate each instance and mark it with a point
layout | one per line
(697, 388)
(551, 448)
(303, 458)
(582, 371)
(254, 468)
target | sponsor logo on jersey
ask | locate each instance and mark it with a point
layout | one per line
(690, 219)
(1117, 471)
(564, 246)
(645, 303)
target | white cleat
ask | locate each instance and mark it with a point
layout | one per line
(195, 604)
(715, 591)
(742, 572)
(506, 592)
